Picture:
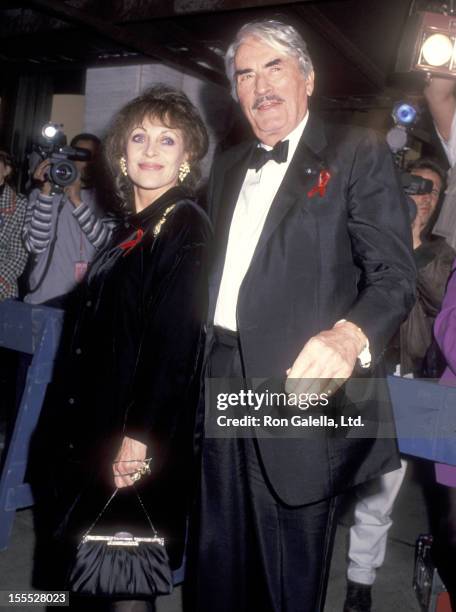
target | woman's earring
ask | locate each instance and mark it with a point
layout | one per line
(184, 169)
(123, 165)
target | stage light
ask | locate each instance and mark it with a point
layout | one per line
(437, 50)
(404, 114)
(429, 44)
(50, 130)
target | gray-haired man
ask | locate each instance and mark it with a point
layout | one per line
(313, 269)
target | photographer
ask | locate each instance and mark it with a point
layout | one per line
(63, 230)
(440, 96)
(434, 258)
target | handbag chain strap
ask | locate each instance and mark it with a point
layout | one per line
(154, 531)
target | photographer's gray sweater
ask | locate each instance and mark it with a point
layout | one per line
(62, 239)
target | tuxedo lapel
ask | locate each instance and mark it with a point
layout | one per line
(227, 196)
(301, 176)
(314, 136)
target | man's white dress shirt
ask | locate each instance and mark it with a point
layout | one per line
(255, 198)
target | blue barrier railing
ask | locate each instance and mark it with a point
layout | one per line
(425, 418)
(34, 330)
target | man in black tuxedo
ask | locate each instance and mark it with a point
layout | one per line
(312, 273)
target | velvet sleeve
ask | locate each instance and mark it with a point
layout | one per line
(167, 325)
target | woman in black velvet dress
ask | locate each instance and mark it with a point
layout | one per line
(127, 383)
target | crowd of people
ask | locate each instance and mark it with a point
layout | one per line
(307, 269)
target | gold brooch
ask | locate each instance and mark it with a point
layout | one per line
(158, 226)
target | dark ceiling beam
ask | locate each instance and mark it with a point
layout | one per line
(23, 21)
(180, 36)
(127, 39)
(326, 28)
(134, 10)
(124, 11)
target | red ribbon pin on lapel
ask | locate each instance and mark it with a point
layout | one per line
(320, 187)
(130, 244)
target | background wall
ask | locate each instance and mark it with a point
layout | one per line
(69, 110)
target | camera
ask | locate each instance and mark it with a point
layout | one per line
(53, 146)
(415, 185)
(405, 117)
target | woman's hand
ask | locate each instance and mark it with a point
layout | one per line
(129, 460)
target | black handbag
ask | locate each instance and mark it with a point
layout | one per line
(121, 566)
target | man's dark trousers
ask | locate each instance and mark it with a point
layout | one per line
(261, 554)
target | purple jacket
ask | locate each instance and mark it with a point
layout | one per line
(445, 334)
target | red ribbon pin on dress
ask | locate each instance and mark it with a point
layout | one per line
(130, 244)
(320, 187)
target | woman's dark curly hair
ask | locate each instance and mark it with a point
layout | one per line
(174, 110)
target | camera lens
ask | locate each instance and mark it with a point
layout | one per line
(63, 173)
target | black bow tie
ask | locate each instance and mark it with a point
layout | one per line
(278, 154)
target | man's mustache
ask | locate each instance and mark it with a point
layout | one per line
(271, 98)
